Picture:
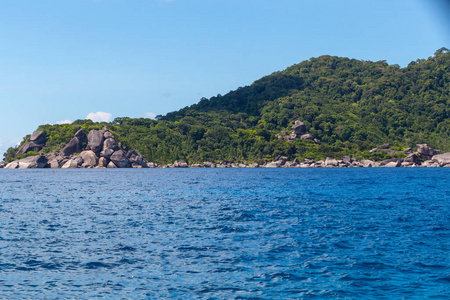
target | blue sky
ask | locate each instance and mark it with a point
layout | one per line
(67, 60)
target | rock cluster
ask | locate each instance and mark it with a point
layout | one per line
(97, 149)
(298, 132)
(36, 143)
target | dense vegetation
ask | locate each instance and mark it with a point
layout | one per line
(349, 105)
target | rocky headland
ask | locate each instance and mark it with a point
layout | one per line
(99, 149)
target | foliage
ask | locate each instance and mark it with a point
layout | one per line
(350, 105)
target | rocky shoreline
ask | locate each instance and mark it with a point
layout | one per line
(99, 149)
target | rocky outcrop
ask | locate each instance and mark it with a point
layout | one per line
(32, 162)
(442, 159)
(76, 144)
(90, 159)
(426, 152)
(120, 159)
(95, 140)
(98, 149)
(299, 128)
(36, 143)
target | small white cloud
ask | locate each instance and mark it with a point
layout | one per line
(100, 116)
(150, 115)
(63, 122)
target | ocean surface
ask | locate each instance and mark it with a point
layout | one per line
(225, 233)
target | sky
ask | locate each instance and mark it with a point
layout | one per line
(100, 59)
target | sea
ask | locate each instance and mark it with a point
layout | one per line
(356, 233)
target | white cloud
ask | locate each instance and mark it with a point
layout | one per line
(64, 122)
(100, 116)
(150, 115)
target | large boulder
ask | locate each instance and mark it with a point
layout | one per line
(412, 158)
(110, 143)
(442, 159)
(36, 143)
(32, 162)
(70, 164)
(120, 159)
(307, 136)
(38, 137)
(106, 153)
(331, 162)
(75, 145)
(108, 135)
(29, 146)
(12, 165)
(103, 162)
(391, 162)
(111, 165)
(299, 128)
(95, 140)
(90, 159)
(426, 152)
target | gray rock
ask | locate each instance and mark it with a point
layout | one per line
(426, 152)
(70, 164)
(347, 159)
(108, 135)
(412, 158)
(103, 162)
(392, 164)
(38, 137)
(331, 162)
(79, 133)
(2, 164)
(12, 165)
(442, 159)
(29, 146)
(151, 165)
(75, 145)
(111, 165)
(274, 164)
(367, 163)
(120, 159)
(208, 164)
(299, 128)
(54, 163)
(90, 159)
(307, 136)
(385, 146)
(95, 140)
(110, 143)
(107, 153)
(33, 162)
(394, 160)
(182, 164)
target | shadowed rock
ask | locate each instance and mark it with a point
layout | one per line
(120, 159)
(299, 128)
(89, 159)
(95, 140)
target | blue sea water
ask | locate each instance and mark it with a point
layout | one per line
(225, 233)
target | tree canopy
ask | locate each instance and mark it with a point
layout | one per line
(349, 105)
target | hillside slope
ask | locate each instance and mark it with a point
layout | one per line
(349, 106)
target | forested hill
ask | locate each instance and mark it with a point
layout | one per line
(349, 106)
